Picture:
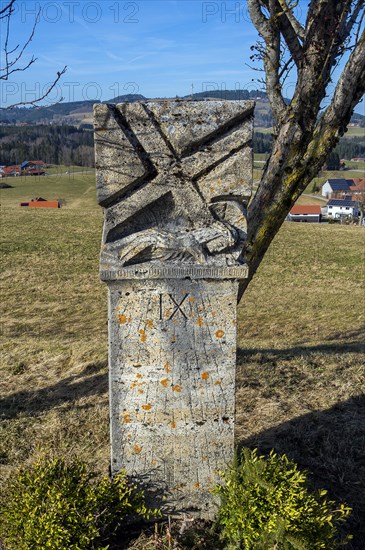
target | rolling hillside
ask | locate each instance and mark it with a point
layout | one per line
(80, 112)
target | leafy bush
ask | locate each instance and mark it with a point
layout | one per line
(266, 504)
(59, 505)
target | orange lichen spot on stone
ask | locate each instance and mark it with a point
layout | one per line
(197, 485)
(149, 323)
(140, 391)
(129, 436)
(191, 299)
(126, 418)
(173, 424)
(219, 333)
(121, 319)
(147, 407)
(167, 367)
(137, 449)
(142, 336)
(176, 388)
(234, 322)
(205, 375)
(139, 375)
(217, 382)
(200, 321)
(165, 382)
(153, 462)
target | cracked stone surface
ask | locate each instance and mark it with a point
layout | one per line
(174, 179)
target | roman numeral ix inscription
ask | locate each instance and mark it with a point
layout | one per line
(177, 306)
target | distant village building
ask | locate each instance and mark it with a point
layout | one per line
(41, 203)
(33, 168)
(305, 213)
(358, 159)
(358, 187)
(10, 171)
(26, 168)
(336, 187)
(341, 208)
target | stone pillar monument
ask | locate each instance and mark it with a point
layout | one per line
(174, 178)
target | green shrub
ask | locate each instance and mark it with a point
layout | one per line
(266, 504)
(59, 505)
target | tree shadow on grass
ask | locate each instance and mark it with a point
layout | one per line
(330, 444)
(341, 345)
(65, 392)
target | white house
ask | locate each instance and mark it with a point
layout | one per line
(338, 208)
(337, 186)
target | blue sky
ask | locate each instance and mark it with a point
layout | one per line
(158, 48)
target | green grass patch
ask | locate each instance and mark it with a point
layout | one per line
(354, 131)
(75, 190)
(300, 374)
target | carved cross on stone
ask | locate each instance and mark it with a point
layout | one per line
(174, 178)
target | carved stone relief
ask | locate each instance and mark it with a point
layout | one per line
(174, 178)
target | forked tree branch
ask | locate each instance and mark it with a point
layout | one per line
(4, 11)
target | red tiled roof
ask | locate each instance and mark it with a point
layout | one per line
(42, 203)
(305, 209)
(10, 169)
(359, 184)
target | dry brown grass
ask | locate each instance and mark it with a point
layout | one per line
(300, 379)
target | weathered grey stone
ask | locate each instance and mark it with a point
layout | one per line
(174, 178)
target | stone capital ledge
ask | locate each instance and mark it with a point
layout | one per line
(191, 272)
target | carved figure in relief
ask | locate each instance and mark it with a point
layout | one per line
(174, 178)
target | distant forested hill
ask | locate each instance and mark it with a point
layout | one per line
(80, 112)
(61, 133)
(52, 144)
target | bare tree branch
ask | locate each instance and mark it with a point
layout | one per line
(8, 70)
(296, 26)
(12, 62)
(270, 32)
(353, 18)
(49, 89)
(6, 9)
(345, 97)
(290, 36)
(258, 19)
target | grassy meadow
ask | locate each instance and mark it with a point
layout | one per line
(301, 357)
